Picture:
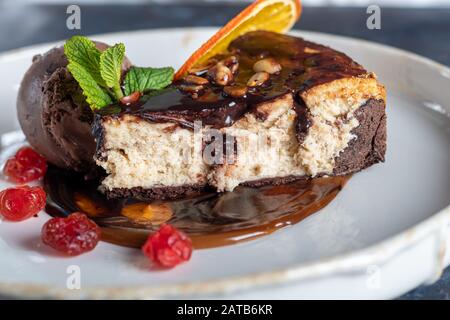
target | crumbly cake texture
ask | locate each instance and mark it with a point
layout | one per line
(341, 129)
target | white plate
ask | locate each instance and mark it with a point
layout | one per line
(386, 232)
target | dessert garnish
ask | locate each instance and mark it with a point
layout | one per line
(21, 203)
(73, 235)
(99, 73)
(168, 247)
(268, 15)
(25, 166)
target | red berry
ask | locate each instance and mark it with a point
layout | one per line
(26, 165)
(73, 235)
(168, 247)
(17, 204)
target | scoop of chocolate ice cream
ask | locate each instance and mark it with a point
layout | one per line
(54, 114)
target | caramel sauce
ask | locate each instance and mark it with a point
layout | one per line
(210, 219)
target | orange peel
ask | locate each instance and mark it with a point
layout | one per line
(270, 15)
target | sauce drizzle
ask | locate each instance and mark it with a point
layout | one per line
(210, 219)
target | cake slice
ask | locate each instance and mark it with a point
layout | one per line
(272, 109)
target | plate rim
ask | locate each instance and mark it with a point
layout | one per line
(378, 253)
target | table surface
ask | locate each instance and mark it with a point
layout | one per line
(424, 31)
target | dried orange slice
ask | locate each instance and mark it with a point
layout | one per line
(270, 15)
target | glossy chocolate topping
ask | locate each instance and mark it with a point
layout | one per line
(303, 65)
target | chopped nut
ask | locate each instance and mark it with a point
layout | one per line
(196, 80)
(269, 65)
(197, 69)
(258, 79)
(235, 91)
(208, 96)
(232, 63)
(309, 50)
(190, 88)
(132, 98)
(220, 74)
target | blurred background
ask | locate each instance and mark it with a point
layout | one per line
(421, 26)
(305, 2)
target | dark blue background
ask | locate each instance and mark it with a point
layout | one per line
(424, 31)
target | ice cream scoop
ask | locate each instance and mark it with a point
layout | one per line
(53, 112)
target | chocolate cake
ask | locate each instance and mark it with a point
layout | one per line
(272, 109)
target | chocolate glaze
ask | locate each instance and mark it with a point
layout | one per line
(210, 219)
(304, 65)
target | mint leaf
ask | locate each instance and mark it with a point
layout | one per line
(95, 95)
(82, 51)
(144, 79)
(99, 73)
(111, 67)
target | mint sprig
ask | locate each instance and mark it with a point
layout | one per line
(99, 73)
(145, 79)
(111, 67)
(83, 51)
(95, 95)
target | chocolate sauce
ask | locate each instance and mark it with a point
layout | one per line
(210, 219)
(304, 65)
